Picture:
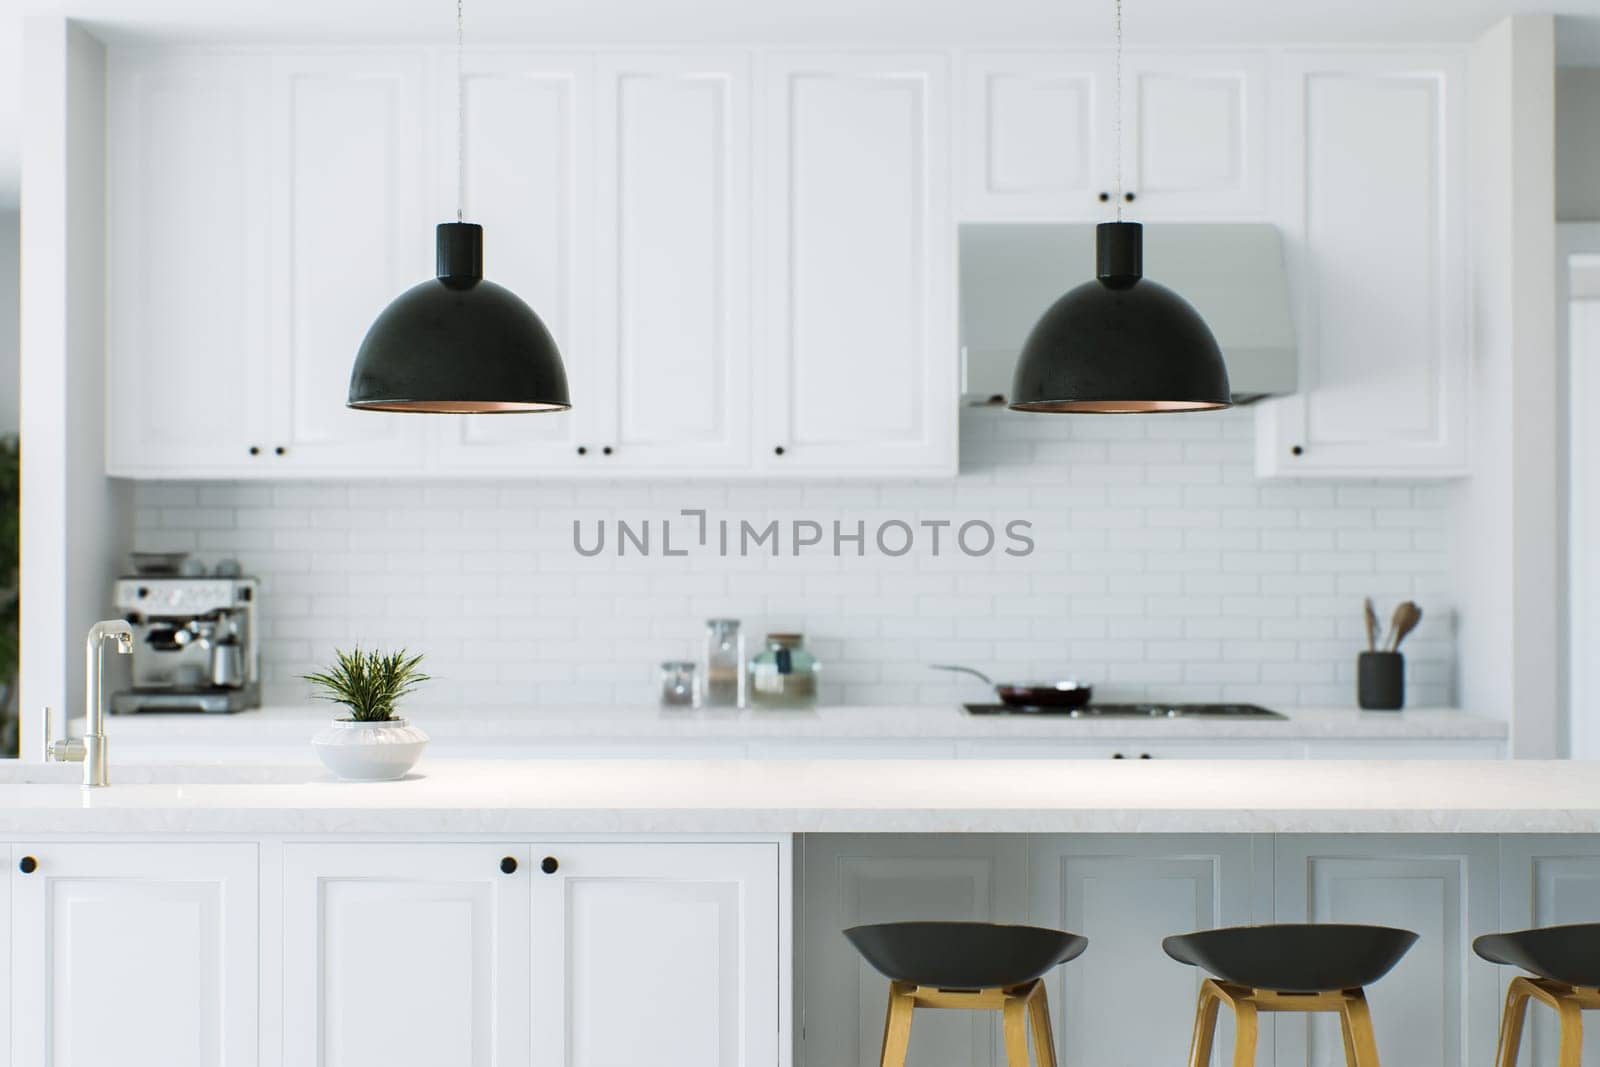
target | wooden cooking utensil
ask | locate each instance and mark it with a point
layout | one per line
(1406, 618)
(1370, 616)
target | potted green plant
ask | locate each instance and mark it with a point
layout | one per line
(371, 743)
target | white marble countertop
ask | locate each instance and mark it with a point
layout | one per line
(515, 797)
(292, 725)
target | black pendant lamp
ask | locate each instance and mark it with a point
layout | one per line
(1120, 344)
(459, 344)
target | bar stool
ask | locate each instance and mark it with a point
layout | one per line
(973, 966)
(1565, 963)
(1288, 967)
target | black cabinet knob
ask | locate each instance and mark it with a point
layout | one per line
(508, 865)
(606, 450)
(1297, 451)
(279, 451)
(28, 865)
(778, 451)
(1127, 197)
(583, 450)
(549, 865)
(255, 450)
(1144, 755)
(1118, 755)
(1105, 198)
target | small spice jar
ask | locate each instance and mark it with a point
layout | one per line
(784, 674)
(678, 689)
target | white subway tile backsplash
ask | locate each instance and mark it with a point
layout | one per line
(1161, 568)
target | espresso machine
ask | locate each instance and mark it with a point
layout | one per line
(195, 644)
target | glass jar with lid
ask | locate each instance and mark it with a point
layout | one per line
(784, 674)
(677, 681)
(724, 664)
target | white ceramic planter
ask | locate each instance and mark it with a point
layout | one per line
(369, 751)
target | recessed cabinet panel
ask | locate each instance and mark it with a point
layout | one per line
(1436, 1008)
(852, 880)
(1036, 139)
(1194, 144)
(135, 956)
(664, 954)
(860, 364)
(407, 954)
(525, 170)
(1376, 254)
(1125, 894)
(674, 258)
(349, 137)
(186, 336)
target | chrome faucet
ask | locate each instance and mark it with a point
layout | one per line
(90, 750)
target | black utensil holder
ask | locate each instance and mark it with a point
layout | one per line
(1381, 681)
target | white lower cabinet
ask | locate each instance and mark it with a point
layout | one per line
(134, 955)
(666, 954)
(405, 954)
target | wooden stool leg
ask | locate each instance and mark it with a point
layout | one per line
(1244, 1034)
(1205, 1026)
(1358, 1017)
(897, 1026)
(1571, 1033)
(1044, 1041)
(1350, 1058)
(1015, 1024)
(1511, 1023)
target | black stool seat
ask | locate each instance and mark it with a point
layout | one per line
(963, 955)
(1294, 957)
(1566, 954)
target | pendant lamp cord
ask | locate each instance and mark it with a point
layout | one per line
(461, 116)
(1118, 117)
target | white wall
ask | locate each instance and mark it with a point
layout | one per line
(10, 323)
(1578, 144)
(1163, 567)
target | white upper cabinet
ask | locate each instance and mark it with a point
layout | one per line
(1037, 136)
(351, 232)
(666, 954)
(526, 177)
(134, 955)
(405, 955)
(187, 315)
(1041, 135)
(1376, 247)
(673, 248)
(858, 350)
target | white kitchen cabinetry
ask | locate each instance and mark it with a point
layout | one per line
(187, 355)
(1125, 894)
(666, 954)
(858, 372)
(1040, 135)
(1372, 147)
(131, 955)
(851, 880)
(1439, 1006)
(405, 954)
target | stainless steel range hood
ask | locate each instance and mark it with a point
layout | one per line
(1231, 272)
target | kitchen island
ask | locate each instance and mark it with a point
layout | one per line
(516, 909)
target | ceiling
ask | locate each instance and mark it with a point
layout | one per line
(1051, 23)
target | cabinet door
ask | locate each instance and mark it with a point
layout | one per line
(135, 955)
(665, 954)
(1036, 140)
(851, 880)
(350, 234)
(1375, 244)
(186, 313)
(1436, 1008)
(673, 331)
(860, 361)
(1194, 134)
(405, 954)
(527, 176)
(1125, 1001)
(1548, 881)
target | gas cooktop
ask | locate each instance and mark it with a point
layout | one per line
(1135, 711)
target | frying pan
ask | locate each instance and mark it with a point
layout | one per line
(1063, 694)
